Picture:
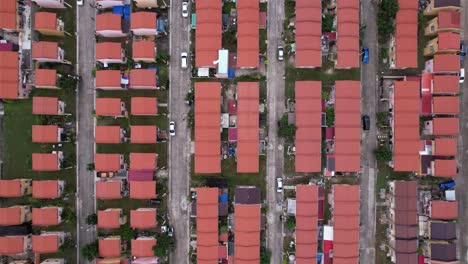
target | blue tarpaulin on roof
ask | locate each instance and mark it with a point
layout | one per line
(223, 197)
(160, 26)
(126, 12)
(231, 73)
(117, 10)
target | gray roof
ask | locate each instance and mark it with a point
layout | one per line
(443, 231)
(442, 3)
(247, 195)
(444, 252)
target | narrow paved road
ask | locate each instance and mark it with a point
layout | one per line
(179, 148)
(275, 97)
(85, 133)
(369, 88)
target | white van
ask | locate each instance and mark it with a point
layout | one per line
(183, 60)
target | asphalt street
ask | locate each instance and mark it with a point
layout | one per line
(369, 101)
(275, 98)
(179, 147)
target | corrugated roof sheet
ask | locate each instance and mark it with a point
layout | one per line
(45, 105)
(144, 49)
(208, 33)
(444, 210)
(247, 33)
(143, 161)
(106, 162)
(144, 106)
(347, 126)
(142, 79)
(108, 21)
(143, 134)
(108, 189)
(247, 233)
(207, 225)
(405, 219)
(143, 20)
(306, 223)
(45, 162)
(10, 216)
(45, 78)
(109, 247)
(12, 245)
(207, 127)
(107, 134)
(406, 35)
(449, 19)
(108, 218)
(9, 74)
(143, 218)
(308, 33)
(45, 189)
(8, 15)
(44, 49)
(445, 105)
(46, 216)
(348, 33)
(446, 63)
(445, 147)
(445, 84)
(108, 79)
(108, 50)
(45, 20)
(45, 243)
(308, 126)
(142, 190)
(247, 127)
(45, 134)
(445, 126)
(10, 188)
(448, 41)
(108, 106)
(143, 247)
(445, 168)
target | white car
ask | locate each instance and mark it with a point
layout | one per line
(183, 60)
(279, 182)
(185, 11)
(172, 128)
(462, 75)
(280, 53)
(79, 2)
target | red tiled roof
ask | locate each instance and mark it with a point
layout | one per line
(45, 105)
(346, 223)
(142, 189)
(144, 50)
(45, 189)
(247, 33)
(107, 134)
(444, 210)
(144, 105)
(446, 63)
(445, 126)
(46, 216)
(406, 32)
(45, 49)
(445, 168)
(142, 79)
(45, 78)
(207, 225)
(143, 134)
(143, 247)
(247, 233)
(308, 33)
(45, 162)
(208, 33)
(12, 245)
(108, 189)
(45, 134)
(9, 73)
(108, 50)
(45, 20)
(143, 161)
(406, 126)
(143, 218)
(449, 41)
(449, 19)
(8, 15)
(44, 244)
(445, 105)
(10, 216)
(308, 126)
(108, 21)
(306, 223)
(109, 247)
(247, 127)
(108, 106)
(347, 126)
(10, 188)
(106, 162)
(445, 84)
(108, 79)
(146, 20)
(445, 147)
(207, 126)
(348, 33)
(108, 218)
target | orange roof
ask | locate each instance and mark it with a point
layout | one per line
(108, 189)
(106, 162)
(247, 33)
(308, 126)
(444, 210)
(45, 189)
(9, 77)
(445, 168)
(347, 126)
(445, 147)
(449, 19)
(46, 216)
(143, 161)
(8, 15)
(108, 50)
(144, 105)
(142, 189)
(108, 21)
(10, 216)
(445, 126)
(143, 218)
(308, 34)
(45, 105)
(406, 32)
(446, 63)
(45, 20)
(143, 247)
(109, 218)
(247, 233)
(44, 244)
(207, 125)
(45, 162)
(44, 49)
(445, 84)
(247, 127)
(144, 50)
(207, 224)
(45, 78)
(143, 134)
(348, 34)
(108, 134)
(109, 247)
(108, 106)
(208, 33)
(449, 41)
(446, 105)
(108, 79)
(142, 79)
(12, 245)
(146, 20)
(306, 223)
(10, 188)
(45, 134)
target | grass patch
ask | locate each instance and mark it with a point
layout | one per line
(263, 38)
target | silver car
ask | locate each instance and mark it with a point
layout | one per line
(172, 128)
(185, 11)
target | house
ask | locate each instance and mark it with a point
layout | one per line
(403, 50)
(13, 245)
(15, 188)
(143, 134)
(247, 233)
(109, 25)
(9, 80)
(47, 242)
(348, 34)
(46, 216)
(48, 106)
(308, 126)
(208, 33)
(109, 135)
(47, 23)
(15, 215)
(143, 161)
(445, 42)
(443, 253)
(110, 247)
(143, 247)
(309, 33)
(446, 63)
(445, 84)
(143, 218)
(444, 147)
(46, 134)
(109, 80)
(47, 189)
(104, 162)
(45, 78)
(247, 33)
(50, 3)
(207, 224)
(447, 126)
(444, 168)
(143, 190)
(45, 51)
(109, 189)
(436, 6)
(110, 107)
(46, 161)
(147, 106)
(143, 79)
(103, 4)
(146, 3)
(442, 230)
(8, 15)
(110, 52)
(443, 210)
(306, 223)
(445, 105)
(111, 218)
(144, 50)
(207, 127)
(445, 21)
(143, 23)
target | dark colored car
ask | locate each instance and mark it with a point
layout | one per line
(365, 122)
(365, 55)
(462, 51)
(447, 185)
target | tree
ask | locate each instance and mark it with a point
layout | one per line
(90, 167)
(383, 154)
(92, 219)
(291, 222)
(68, 215)
(382, 119)
(286, 130)
(126, 232)
(386, 19)
(90, 251)
(67, 82)
(162, 57)
(161, 249)
(265, 256)
(327, 23)
(330, 113)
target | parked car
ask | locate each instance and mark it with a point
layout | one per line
(79, 2)
(462, 75)
(280, 53)
(172, 128)
(447, 185)
(462, 51)
(183, 60)
(365, 55)
(279, 187)
(154, 202)
(170, 231)
(185, 12)
(365, 122)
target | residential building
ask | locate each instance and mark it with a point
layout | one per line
(45, 51)
(109, 80)
(110, 247)
(143, 161)
(48, 106)
(207, 224)
(50, 3)
(45, 78)
(143, 134)
(143, 23)
(109, 25)
(109, 135)
(104, 4)
(109, 189)
(9, 15)
(247, 127)
(144, 50)
(147, 106)
(46, 161)
(110, 52)
(436, 6)
(47, 23)
(442, 231)
(443, 210)
(445, 42)
(309, 33)
(143, 190)
(444, 126)
(146, 3)
(445, 21)
(110, 107)
(15, 215)
(46, 216)
(247, 34)
(208, 33)
(443, 253)
(306, 223)
(444, 147)
(105, 162)
(445, 84)
(14, 245)
(143, 218)
(9, 80)
(143, 79)
(142, 247)
(47, 242)
(347, 16)
(50, 189)
(446, 63)
(46, 134)
(444, 168)
(403, 50)
(445, 105)
(247, 219)
(15, 188)
(111, 218)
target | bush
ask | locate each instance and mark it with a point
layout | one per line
(330, 116)
(386, 19)
(162, 247)
(265, 256)
(382, 119)
(327, 23)
(126, 232)
(383, 154)
(68, 216)
(286, 130)
(90, 251)
(291, 223)
(92, 219)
